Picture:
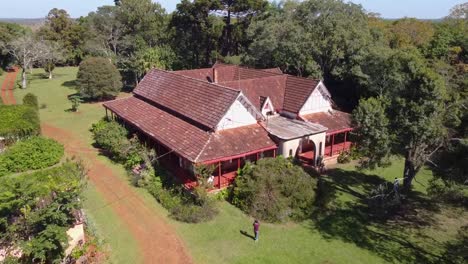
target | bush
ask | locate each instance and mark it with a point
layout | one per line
(31, 154)
(18, 121)
(450, 192)
(275, 190)
(98, 79)
(183, 206)
(31, 100)
(110, 136)
(343, 157)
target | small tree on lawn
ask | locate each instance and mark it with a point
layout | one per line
(98, 79)
(75, 101)
(53, 54)
(409, 119)
(31, 100)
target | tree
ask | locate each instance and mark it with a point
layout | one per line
(52, 55)
(9, 32)
(410, 32)
(70, 34)
(372, 132)
(26, 51)
(279, 42)
(459, 11)
(98, 79)
(142, 23)
(196, 33)
(331, 34)
(274, 190)
(243, 10)
(157, 57)
(415, 105)
(106, 32)
(31, 100)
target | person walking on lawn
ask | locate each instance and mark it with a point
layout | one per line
(256, 226)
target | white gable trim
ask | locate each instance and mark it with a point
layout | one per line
(240, 113)
(267, 107)
(319, 101)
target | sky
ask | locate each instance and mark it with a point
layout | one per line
(387, 8)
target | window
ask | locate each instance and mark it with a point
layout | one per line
(320, 149)
(290, 153)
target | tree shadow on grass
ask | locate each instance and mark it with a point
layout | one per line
(353, 225)
(70, 84)
(387, 235)
(354, 183)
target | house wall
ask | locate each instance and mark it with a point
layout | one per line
(238, 115)
(292, 146)
(318, 101)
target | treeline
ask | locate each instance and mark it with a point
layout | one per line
(333, 40)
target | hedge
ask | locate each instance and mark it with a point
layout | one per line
(31, 154)
(18, 121)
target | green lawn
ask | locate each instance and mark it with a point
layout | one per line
(121, 246)
(2, 78)
(344, 234)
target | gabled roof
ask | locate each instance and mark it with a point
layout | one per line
(286, 92)
(188, 140)
(297, 92)
(271, 86)
(334, 120)
(200, 101)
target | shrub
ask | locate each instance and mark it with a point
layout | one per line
(194, 214)
(343, 157)
(38, 208)
(110, 136)
(31, 100)
(275, 190)
(98, 79)
(18, 121)
(75, 101)
(31, 154)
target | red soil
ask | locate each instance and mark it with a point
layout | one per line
(157, 240)
(7, 87)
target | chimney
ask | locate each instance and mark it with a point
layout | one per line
(215, 75)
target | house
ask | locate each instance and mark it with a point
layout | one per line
(228, 114)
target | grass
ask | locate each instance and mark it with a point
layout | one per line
(345, 233)
(53, 93)
(2, 78)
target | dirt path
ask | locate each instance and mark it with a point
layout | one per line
(7, 87)
(157, 240)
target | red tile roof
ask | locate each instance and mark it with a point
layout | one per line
(200, 74)
(286, 92)
(187, 140)
(334, 121)
(297, 92)
(200, 101)
(273, 87)
(236, 141)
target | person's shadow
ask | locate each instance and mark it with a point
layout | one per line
(247, 234)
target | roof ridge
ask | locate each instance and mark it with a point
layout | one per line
(204, 146)
(195, 79)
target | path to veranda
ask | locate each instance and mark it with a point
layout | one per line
(157, 240)
(7, 87)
